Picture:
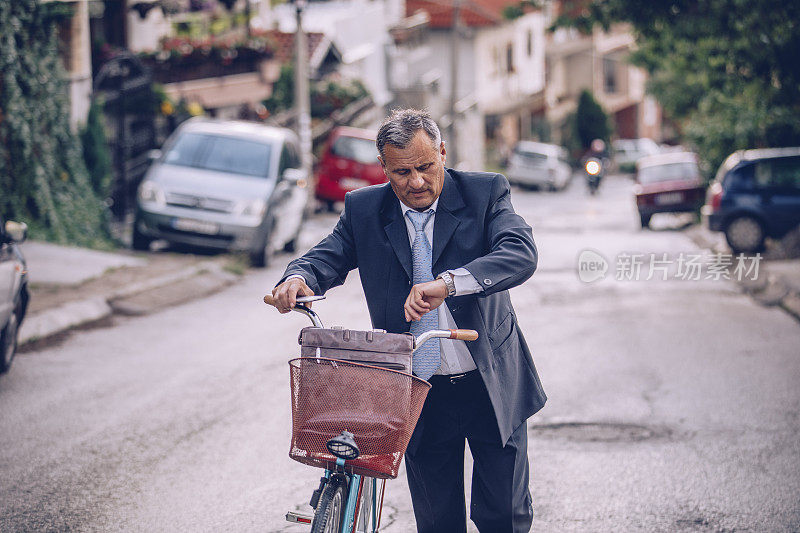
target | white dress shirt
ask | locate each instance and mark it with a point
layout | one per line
(454, 354)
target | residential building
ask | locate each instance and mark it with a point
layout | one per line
(498, 65)
(361, 45)
(597, 62)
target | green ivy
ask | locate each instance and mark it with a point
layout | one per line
(43, 178)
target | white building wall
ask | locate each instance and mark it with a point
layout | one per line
(358, 29)
(145, 34)
(496, 86)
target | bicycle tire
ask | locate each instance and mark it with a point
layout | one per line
(331, 508)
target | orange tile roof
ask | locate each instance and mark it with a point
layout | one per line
(284, 43)
(473, 13)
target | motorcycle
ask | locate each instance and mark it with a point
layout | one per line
(594, 169)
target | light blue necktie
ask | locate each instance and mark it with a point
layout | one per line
(426, 359)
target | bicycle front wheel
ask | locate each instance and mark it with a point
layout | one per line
(331, 507)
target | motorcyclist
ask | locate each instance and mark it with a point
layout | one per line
(594, 174)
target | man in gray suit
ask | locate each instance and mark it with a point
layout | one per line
(461, 228)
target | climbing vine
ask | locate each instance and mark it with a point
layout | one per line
(43, 178)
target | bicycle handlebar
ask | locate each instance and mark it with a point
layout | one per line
(456, 334)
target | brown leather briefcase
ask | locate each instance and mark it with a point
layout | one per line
(373, 347)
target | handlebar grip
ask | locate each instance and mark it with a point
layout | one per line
(269, 300)
(463, 334)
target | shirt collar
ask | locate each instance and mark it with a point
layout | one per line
(406, 209)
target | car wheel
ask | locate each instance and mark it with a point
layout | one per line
(262, 256)
(745, 235)
(139, 241)
(8, 341)
(645, 220)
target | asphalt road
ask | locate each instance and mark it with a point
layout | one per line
(673, 405)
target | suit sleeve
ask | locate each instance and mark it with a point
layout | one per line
(327, 264)
(511, 255)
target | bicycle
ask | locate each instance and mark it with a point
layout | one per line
(353, 416)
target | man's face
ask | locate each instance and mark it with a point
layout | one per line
(416, 173)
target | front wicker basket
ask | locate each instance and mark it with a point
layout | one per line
(379, 406)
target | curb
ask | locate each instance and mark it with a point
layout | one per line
(81, 312)
(769, 290)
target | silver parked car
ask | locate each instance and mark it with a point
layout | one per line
(224, 184)
(13, 289)
(540, 165)
(626, 152)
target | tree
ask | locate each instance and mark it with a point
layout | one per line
(43, 180)
(591, 122)
(727, 71)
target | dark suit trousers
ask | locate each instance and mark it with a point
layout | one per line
(501, 501)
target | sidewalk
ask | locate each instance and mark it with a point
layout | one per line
(74, 287)
(778, 282)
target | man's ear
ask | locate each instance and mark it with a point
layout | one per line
(443, 152)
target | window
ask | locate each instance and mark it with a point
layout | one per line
(781, 172)
(669, 172)
(290, 158)
(609, 75)
(530, 43)
(509, 58)
(361, 150)
(220, 153)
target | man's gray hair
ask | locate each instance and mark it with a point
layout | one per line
(400, 127)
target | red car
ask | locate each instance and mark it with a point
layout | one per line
(668, 183)
(349, 161)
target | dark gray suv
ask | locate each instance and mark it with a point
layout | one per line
(756, 194)
(13, 289)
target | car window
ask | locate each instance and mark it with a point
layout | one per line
(294, 156)
(782, 172)
(740, 177)
(530, 156)
(221, 153)
(669, 172)
(361, 150)
(185, 150)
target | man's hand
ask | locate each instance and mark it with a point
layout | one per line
(424, 297)
(287, 292)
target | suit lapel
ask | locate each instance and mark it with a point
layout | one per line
(395, 228)
(446, 221)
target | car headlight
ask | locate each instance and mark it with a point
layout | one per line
(149, 192)
(252, 208)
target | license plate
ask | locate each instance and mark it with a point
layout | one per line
(669, 198)
(196, 226)
(352, 183)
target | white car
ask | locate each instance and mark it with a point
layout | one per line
(224, 184)
(628, 151)
(540, 165)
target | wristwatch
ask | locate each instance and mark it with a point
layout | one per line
(448, 280)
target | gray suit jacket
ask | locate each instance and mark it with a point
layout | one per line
(476, 228)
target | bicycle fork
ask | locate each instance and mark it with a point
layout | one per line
(357, 487)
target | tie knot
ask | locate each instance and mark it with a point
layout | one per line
(419, 220)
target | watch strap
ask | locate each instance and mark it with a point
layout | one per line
(448, 281)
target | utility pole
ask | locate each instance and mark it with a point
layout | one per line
(302, 98)
(451, 111)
